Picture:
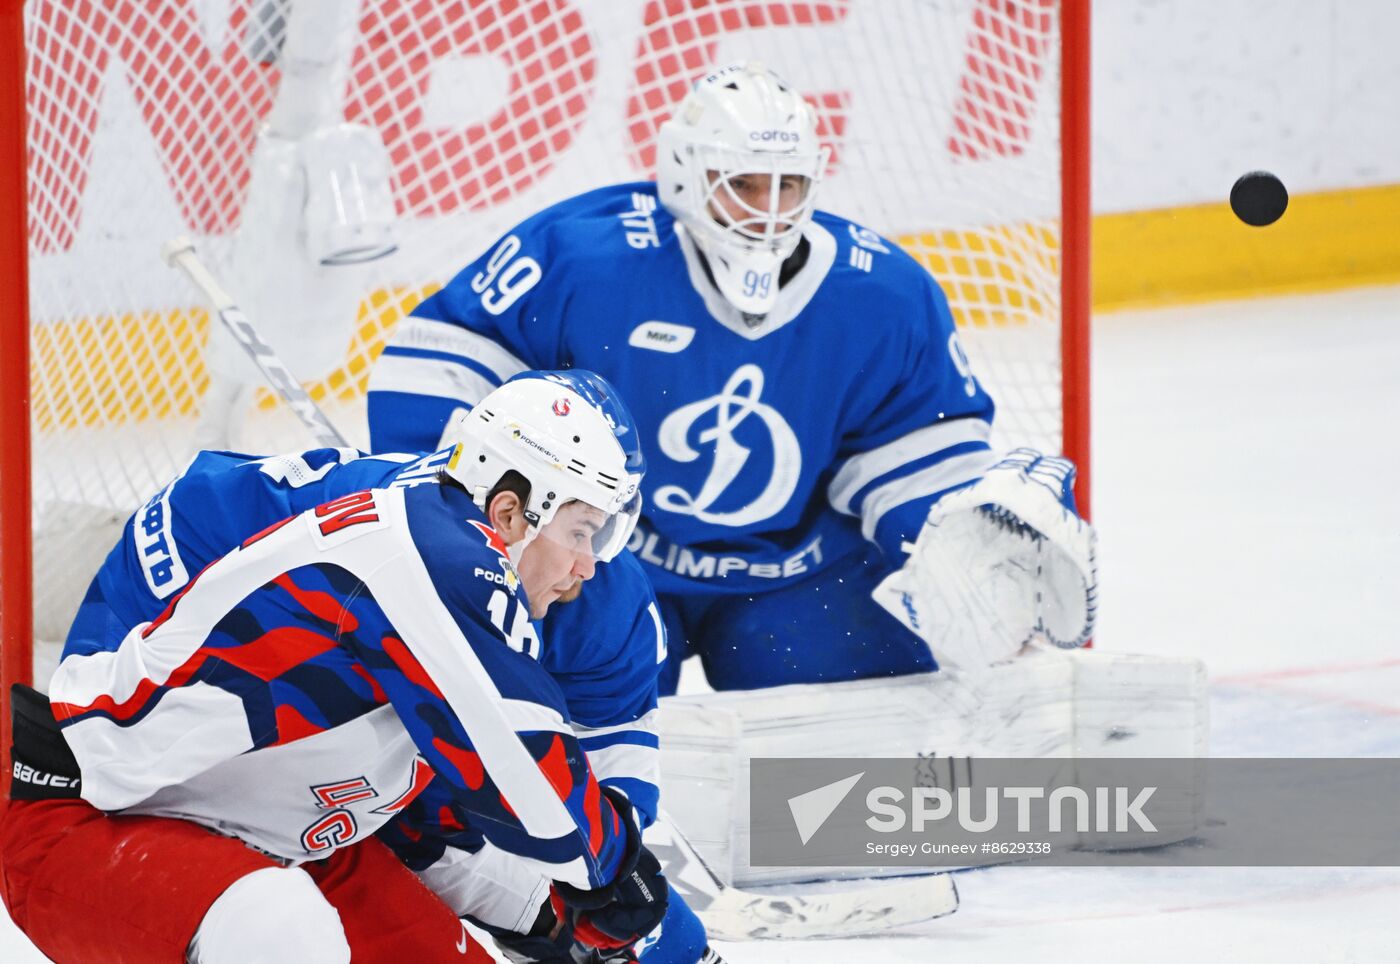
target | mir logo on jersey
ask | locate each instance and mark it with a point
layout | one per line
(561, 406)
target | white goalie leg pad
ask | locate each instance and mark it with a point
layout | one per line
(273, 914)
(1047, 703)
(1142, 707)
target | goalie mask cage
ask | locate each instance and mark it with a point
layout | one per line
(958, 128)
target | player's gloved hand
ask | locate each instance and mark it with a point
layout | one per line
(551, 941)
(614, 917)
(999, 563)
(547, 942)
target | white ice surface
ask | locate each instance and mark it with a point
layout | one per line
(1246, 480)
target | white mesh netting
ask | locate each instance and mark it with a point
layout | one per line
(144, 115)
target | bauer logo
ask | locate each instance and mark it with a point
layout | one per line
(43, 783)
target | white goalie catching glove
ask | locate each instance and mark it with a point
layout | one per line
(999, 564)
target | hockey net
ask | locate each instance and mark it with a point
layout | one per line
(944, 117)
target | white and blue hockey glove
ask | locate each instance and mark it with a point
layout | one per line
(999, 564)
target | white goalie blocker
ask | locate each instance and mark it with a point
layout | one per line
(999, 564)
(1001, 583)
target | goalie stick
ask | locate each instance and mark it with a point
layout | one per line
(738, 915)
(180, 253)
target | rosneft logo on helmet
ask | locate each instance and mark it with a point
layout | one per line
(561, 406)
(521, 437)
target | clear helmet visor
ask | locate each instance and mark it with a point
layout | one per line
(587, 533)
(616, 532)
(559, 555)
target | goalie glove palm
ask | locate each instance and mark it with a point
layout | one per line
(999, 563)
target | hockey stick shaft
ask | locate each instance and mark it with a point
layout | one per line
(180, 253)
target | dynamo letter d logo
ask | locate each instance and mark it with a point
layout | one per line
(811, 809)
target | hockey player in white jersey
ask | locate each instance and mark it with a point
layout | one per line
(304, 689)
(802, 398)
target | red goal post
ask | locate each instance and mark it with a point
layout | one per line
(16, 648)
(959, 128)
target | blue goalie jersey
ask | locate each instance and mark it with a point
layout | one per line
(775, 445)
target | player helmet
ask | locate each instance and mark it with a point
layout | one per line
(742, 122)
(570, 436)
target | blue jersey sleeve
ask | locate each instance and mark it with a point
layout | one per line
(604, 650)
(201, 514)
(929, 435)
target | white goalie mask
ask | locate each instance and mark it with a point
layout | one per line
(571, 437)
(738, 165)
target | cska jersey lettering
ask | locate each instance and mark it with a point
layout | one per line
(333, 830)
(339, 826)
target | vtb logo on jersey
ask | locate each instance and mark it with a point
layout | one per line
(508, 577)
(722, 415)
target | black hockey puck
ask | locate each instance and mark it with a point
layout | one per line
(1258, 198)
